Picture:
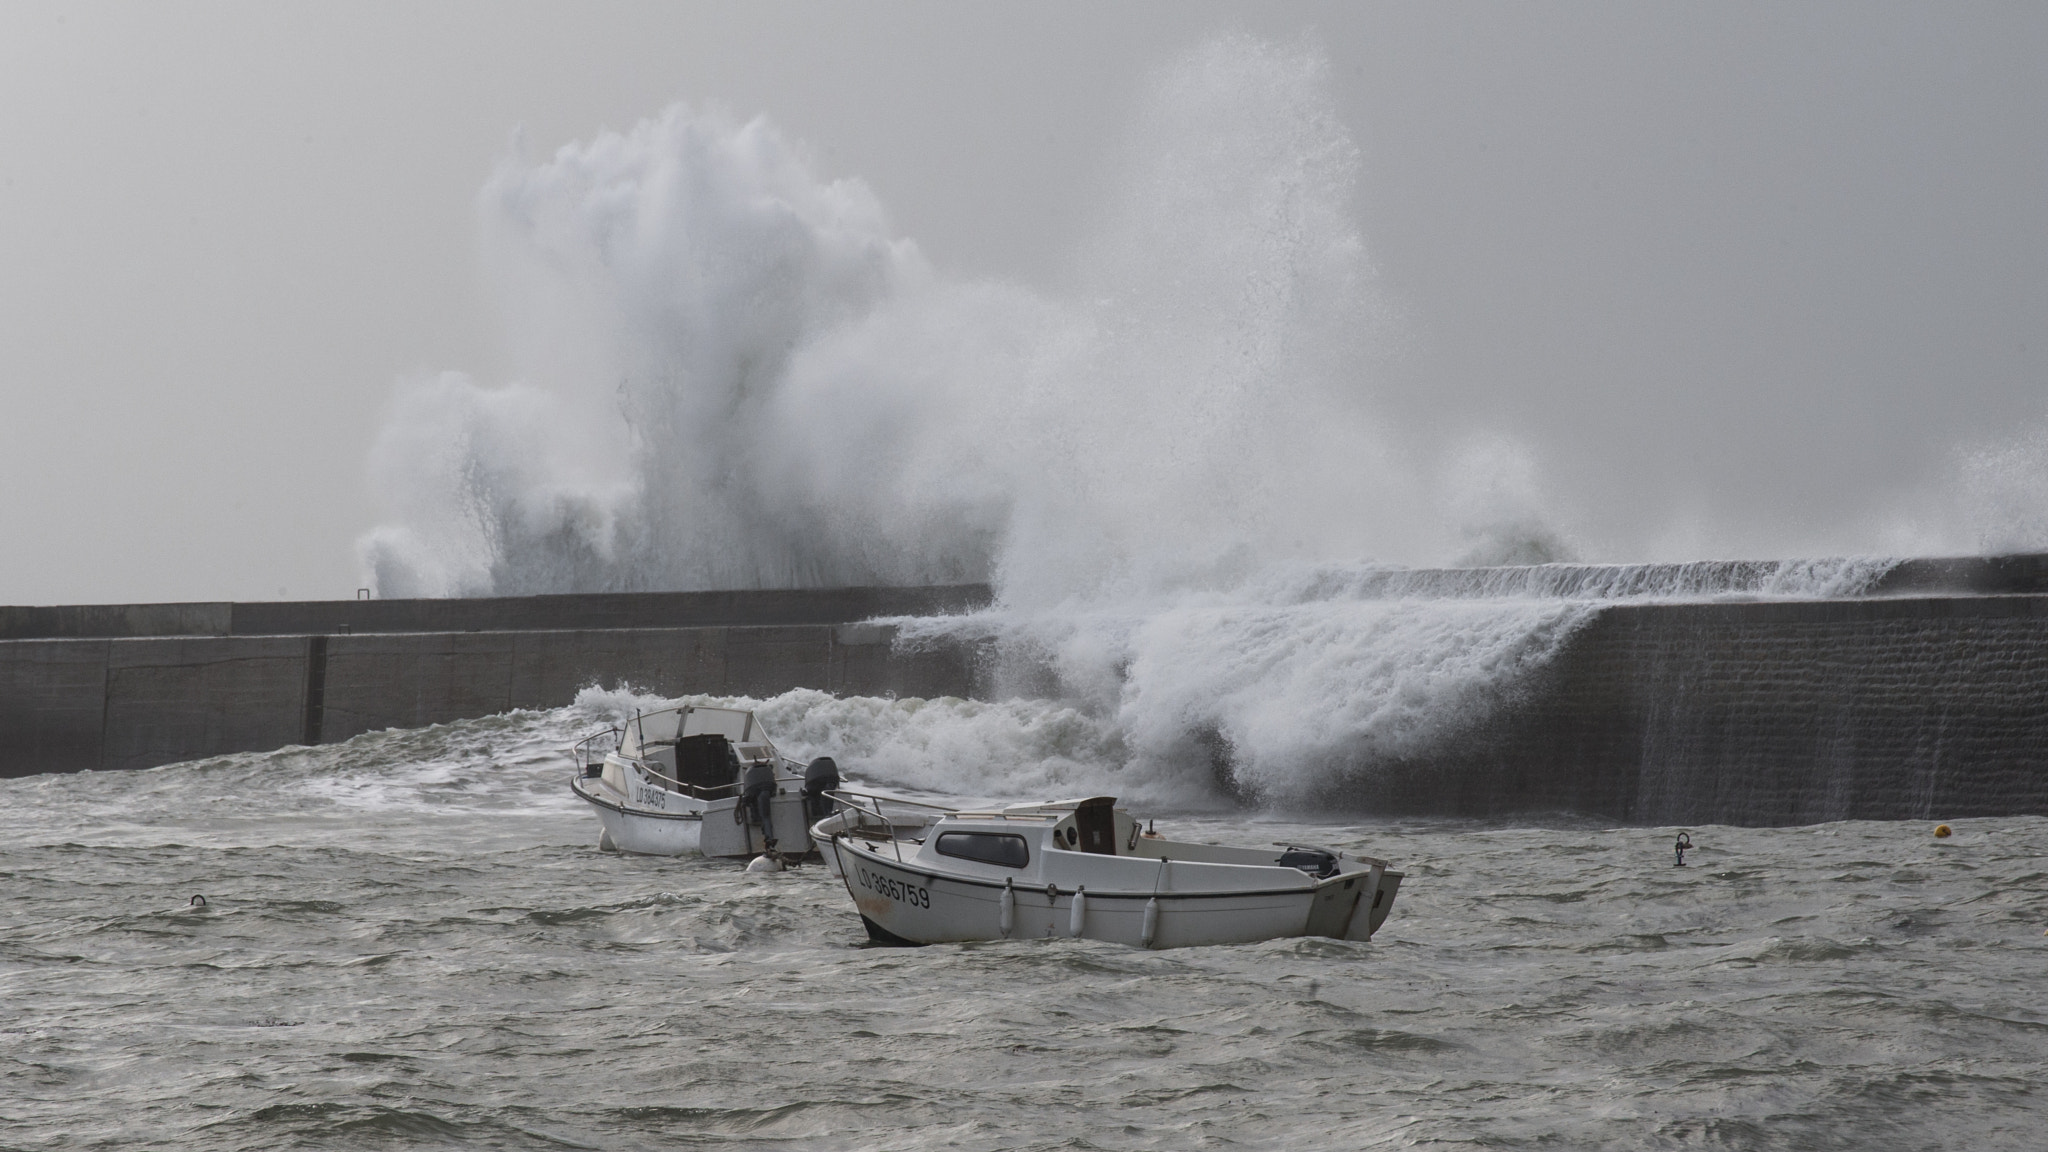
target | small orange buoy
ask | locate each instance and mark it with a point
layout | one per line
(1941, 831)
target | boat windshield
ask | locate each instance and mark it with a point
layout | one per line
(1000, 848)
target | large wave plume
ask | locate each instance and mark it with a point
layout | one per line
(734, 373)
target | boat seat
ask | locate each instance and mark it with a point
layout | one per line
(1095, 819)
(707, 761)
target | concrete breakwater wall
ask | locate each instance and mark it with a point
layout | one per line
(1790, 712)
(596, 610)
(1929, 700)
(137, 686)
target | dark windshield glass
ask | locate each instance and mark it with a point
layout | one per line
(987, 847)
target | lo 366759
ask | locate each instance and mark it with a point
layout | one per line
(911, 894)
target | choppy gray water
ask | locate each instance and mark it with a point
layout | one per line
(410, 939)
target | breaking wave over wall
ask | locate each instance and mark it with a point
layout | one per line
(733, 373)
(1307, 677)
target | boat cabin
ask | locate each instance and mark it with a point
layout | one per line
(1066, 842)
(694, 749)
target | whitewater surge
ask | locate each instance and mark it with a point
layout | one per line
(1293, 687)
(734, 373)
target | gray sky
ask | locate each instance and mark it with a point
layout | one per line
(1745, 278)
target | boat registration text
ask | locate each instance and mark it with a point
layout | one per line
(911, 894)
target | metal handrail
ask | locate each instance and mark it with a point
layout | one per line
(700, 791)
(852, 801)
(878, 797)
(577, 750)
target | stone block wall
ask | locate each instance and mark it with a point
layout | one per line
(1761, 714)
(67, 705)
(1726, 712)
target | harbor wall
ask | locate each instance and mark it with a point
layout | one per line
(1767, 712)
(1761, 714)
(68, 705)
(134, 686)
(487, 614)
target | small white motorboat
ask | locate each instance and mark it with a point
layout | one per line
(699, 778)
(1083, 868)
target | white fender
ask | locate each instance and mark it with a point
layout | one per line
(764, 864)
(1008, 918)
(1079, 916)
(1151, 932)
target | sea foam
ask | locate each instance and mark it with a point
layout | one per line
(735, 373)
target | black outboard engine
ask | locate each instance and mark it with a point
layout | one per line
(1314, 861)
(820, 777)
(757, 790)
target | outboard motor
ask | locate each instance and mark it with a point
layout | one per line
(820, 777)
(757, 790)
(1314, 861)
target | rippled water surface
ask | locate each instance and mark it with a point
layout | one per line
(410, 939)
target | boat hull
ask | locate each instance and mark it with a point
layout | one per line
(639, 831)
(901, 901)
(726, 835)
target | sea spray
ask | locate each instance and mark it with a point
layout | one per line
(734, 373)
(1310, 675)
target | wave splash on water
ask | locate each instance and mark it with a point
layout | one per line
(736, 374)
(1307, 676)
(733, 373)
(1272, 693)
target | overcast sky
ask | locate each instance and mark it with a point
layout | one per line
(1746, 279)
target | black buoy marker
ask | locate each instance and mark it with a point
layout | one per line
(1680, 847)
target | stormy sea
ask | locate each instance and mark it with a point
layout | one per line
(411, 939)
(730, 371)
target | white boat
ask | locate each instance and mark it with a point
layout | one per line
(699, 778)
(1084, 868)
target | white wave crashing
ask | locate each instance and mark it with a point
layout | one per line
(734, 373)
